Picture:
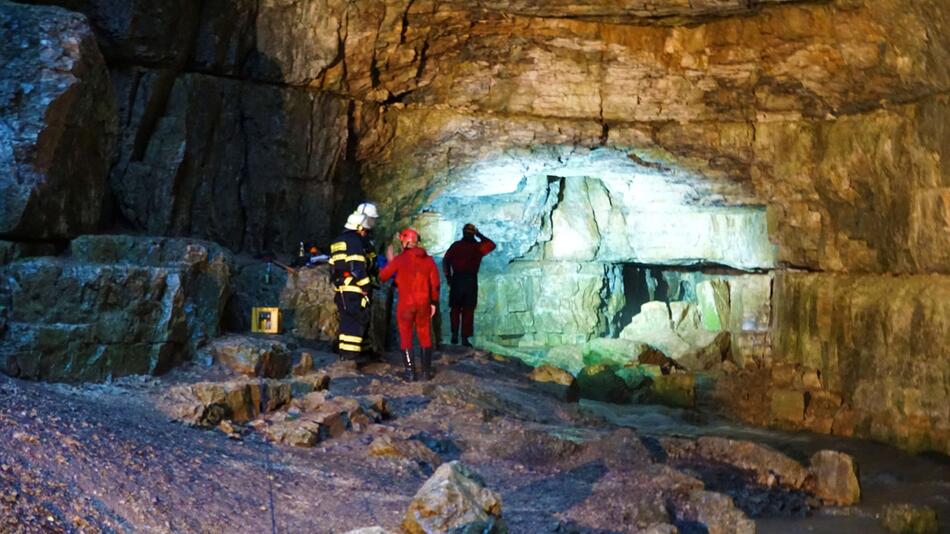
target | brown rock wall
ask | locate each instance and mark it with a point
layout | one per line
(880, 342)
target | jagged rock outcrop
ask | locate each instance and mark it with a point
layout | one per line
(57, 124)
(253, 356)
(118, 305)
(835, 476)
(454, 498)
(201, 169)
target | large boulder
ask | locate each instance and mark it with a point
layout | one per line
(677, 390)
(118, 305)
(717, 513)
(57, 124)
(601, 383)
(618, 351)
(556, 381)
(767, 465)
(253, 356)
(835, 478)
(206, 404)
(454, 498)
(677, 329)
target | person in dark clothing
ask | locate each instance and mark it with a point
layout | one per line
(352, 271)
(417, 280)
(461, 264)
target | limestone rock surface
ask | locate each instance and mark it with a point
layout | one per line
(57, 124)
(198, 168)
(835, 477)
(253, 356)
(557, 381)
(717, 513)
(118, 305)
(877, 342)
(910, 519)
(452, 498)
(305, 298)
(600, 382)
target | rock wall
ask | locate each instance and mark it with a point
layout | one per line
(117, 305)
(880, 343)
(250, 122)
(57, 124)
(542, 305)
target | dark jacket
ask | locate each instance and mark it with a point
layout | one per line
(465, 256)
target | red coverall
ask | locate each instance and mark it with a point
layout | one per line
(418, 281)
(461, 264)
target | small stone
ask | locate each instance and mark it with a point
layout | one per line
(303, 364)
(910, 519)
(556, 381)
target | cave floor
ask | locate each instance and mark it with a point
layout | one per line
(103, 458)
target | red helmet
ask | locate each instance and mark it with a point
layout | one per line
(409, 237)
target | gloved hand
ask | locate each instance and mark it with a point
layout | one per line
(431, 311)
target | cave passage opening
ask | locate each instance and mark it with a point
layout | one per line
(595, 245)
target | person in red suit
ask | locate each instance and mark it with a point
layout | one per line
(417, 280)
(461, 264)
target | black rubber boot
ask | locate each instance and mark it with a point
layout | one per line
(455, 338)
(409, 366)
(466, 342)
(427, 372)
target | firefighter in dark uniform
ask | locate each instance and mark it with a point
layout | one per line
(354, 264)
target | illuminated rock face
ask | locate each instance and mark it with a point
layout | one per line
(583, 136)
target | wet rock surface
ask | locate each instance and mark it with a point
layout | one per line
(117, 305)
(454, 497)
(910, 519)
(57, 124)
(362, 445)
(304, 296)
(253, 356)
(835, 477)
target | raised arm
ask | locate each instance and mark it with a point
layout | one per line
(485, 245)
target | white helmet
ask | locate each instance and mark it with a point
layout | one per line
(368, 209)
(355, 221)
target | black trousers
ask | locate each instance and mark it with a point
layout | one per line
(354, 318)
(463, 290)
